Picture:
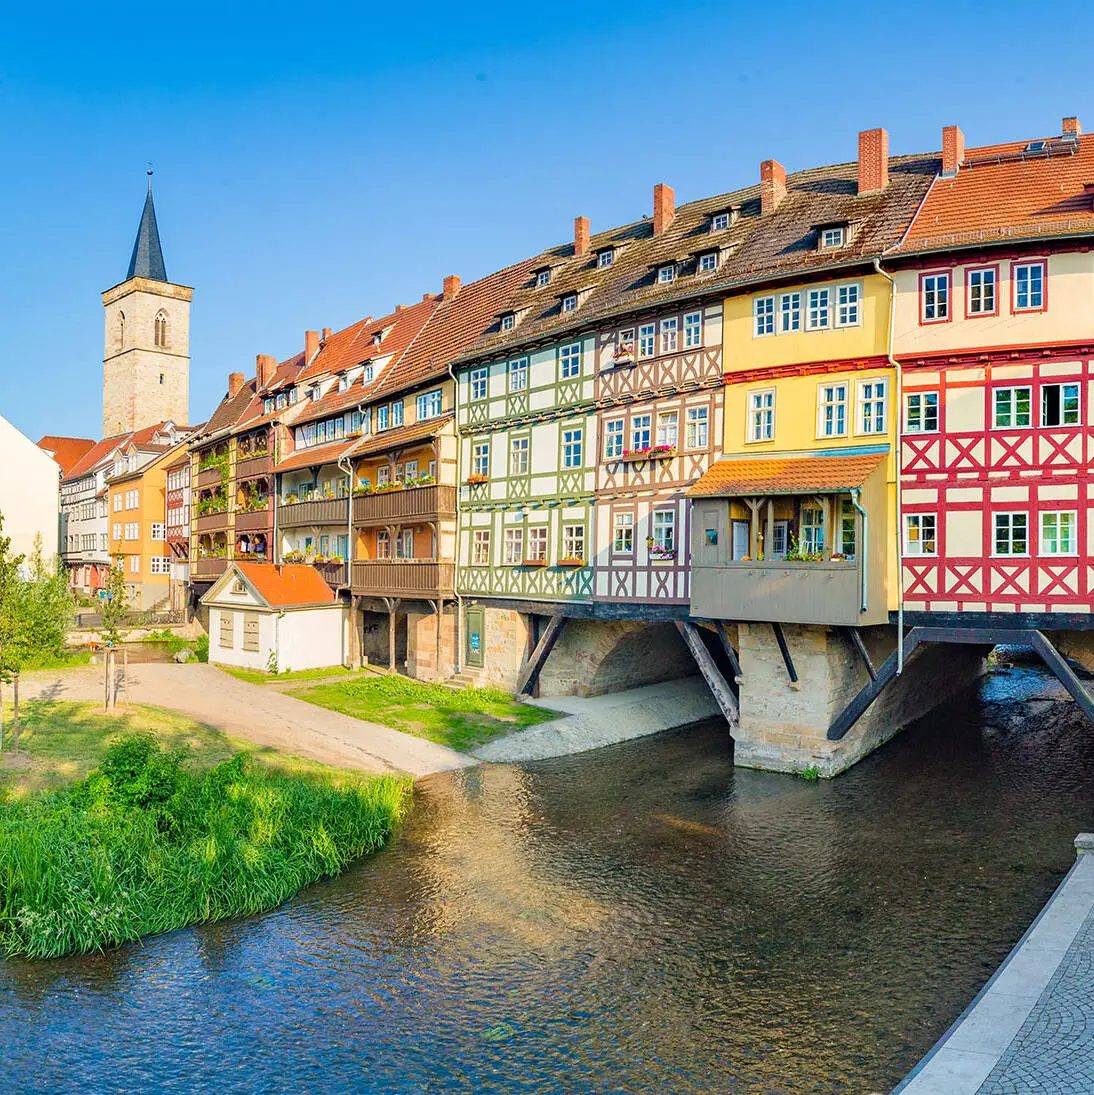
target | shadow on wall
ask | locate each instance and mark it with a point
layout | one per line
(594, 657)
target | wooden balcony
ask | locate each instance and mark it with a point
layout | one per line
(207, 569)
(403, 578)
(402, 506)
(249, 466)
(334, 574)
(210, 477)
(329, 511)
(213, 522)
(256, 520)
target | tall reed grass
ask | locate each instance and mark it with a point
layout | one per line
(144, 846)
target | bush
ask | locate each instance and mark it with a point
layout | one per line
(201, 648)
(142, 846)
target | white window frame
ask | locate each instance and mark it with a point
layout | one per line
(663, 528)
(518, 374)
(569, 302)
(508, 321)
(1017, 270)
(1076, 395)
(573, 444)
(761, 415)
(918, 410)
(573, 541)
(615, 432)
(831, 407)
(480, 458)
(719, 222)
(693, 330)
(935, 295)
(670, 335)
(698, 424)
(159, 531)
(790, 312)
(763, 316)
(480, 547)
(872, 397)
(647, 340)
(921, 532)
(818, 311)
(833, 237)
(849, 304)
(668, 428)
(708, 262)
(519, 455)
(1012, 411)
(514, 546)
(543, 277)
(666, 274)
(641, 432)
(479, 384)
(430, 404)
(569, 360)
(1057, 517)
(1006, 521)
(538, 547)
(605, 257)
(981, 278)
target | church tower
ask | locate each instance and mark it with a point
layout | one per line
(146, 363)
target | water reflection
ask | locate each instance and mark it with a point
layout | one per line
(642, 919)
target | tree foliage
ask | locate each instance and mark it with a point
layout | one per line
(115, 604)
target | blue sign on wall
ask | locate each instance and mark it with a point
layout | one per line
(474, 642)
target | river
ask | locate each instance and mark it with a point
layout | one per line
(643, 919)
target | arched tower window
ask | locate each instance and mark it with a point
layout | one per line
(161, 328)
(121, 330)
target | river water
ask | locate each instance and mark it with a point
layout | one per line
(643, 919)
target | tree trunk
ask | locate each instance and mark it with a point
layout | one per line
(15, 722)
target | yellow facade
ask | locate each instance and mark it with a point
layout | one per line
(136, 512)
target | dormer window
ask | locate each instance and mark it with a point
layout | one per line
(543, 277)
(343, 383)
(313, 393)
(569, 302)
(377, 338)
(268, 405)
(831, 236)
(719, 222)
(508, 321)
(605, 257)
(281, 401)
(294, 394)
(708, 262)
(369, 374)
(666, 273)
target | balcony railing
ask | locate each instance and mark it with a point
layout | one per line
(210, 477)
(256, 520)
(402, 577)
(208, 568)
(213, 522)
(247, 466)
(334, 574)
(329, 511)
(413, 503)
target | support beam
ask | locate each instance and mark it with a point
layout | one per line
(784, 650)
(870, 692)
(392, 604)
(1064, 673)
(727, 701)
(863, 653)
(529, 672)
(731, 654)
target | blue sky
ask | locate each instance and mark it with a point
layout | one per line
(319, 162)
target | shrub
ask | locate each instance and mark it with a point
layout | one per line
(201, 648)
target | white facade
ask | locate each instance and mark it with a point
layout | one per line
(29, 489)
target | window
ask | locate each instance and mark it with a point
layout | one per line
(664, 532)
(697, 427)
(132, 499)
(668, 428)
(480, 460)
(980, 292)
(763, 314)
(605, 258)
(1011, 534)
(833, 237)
(429, 404)
(537, 543)
(118, 501)
(761, 415)
(623, 534)
(411, 470)
(613, 439)
(871, 401)
(1028, 286)
(1058, 533)
(573, 542)
(571, 448)
(250, 632)
(383, 544)
(919, 534)
(158, 530)
(518, 374)
(543, 277)
(161, 331)
(693, 329)
(570, 360)
(934, 294)
(227, 630)
(666, 274)
(508, 321)
(1013, 407)
(383, 474)
(847, 305)
(518, 456)
(132, 530)
(790, 313)
(819, 314)
(134, 564)
(847, 527)
(669, 331)
(103, 543)
(404, 544)
(161, 564)
(382, 417)
(646, 340)
(343, 383)
(921, 412)
(832, 411)
(640, 431)
(719, 222)
(479, 383)
(480, 547)
(117, 531)
(569, 302)
(1059, 404)
(514, 546)
(708, 262)
(397, 413)
(812, 530)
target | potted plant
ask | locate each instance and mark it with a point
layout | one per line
(624, 354)
(476, 479)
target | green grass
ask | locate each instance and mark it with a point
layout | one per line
(460, 720)
(259, 676)
(175, 643)
(148, 843)
(65, 660)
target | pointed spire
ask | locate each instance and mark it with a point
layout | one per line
(147, 260)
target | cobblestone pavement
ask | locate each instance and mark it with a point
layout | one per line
(1053, 1052)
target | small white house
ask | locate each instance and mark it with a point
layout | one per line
(268, 616)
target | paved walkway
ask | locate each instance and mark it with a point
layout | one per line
(594, 721)
(256, 713)
(1030, 1030)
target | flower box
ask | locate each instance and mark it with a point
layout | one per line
(661, 554)
(571, 562)
(533, 562)
(654, 452)
(477, 480)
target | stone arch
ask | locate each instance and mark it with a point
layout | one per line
(160, 331)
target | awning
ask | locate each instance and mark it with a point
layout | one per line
(786, 475)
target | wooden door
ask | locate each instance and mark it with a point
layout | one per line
(475, 642)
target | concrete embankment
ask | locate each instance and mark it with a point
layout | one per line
(595, 721)
(1030, 1030)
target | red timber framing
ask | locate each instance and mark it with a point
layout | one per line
(681, 392)
(970, 470)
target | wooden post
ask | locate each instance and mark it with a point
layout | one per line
(106, 678)
(15, 721)
(529, 673)
(1, 713)
(769, 536)
(727, 702)
(125, 676)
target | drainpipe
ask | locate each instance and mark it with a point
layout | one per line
(348, 469)
(456, 553)
(856, 494)
(898, 411)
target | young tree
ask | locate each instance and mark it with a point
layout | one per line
(10, 630)
(114, 604)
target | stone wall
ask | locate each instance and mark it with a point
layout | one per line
(784, 726)
(421, 647)
(506, 635)
(1077, 645)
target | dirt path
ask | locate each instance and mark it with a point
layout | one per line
(257, 713)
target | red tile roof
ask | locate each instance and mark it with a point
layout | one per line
(785, 475)
(1003, 193)
(289, 585)
(66, 451)
(402, 435)
(320, 454)
(96, 455)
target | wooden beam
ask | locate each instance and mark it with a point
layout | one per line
(731, 654)
(529, 672)
(863, 653)
(1064, 673)
(727, 701)
(784, 650)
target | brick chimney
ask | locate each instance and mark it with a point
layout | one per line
(953, 150)
(873, 160)
(1071, 127)
(772, 185)
(326, 333)
(664, 207)
(311, 346)
(235, 383)
(451, 286)
(265, 367)
(581, 235)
